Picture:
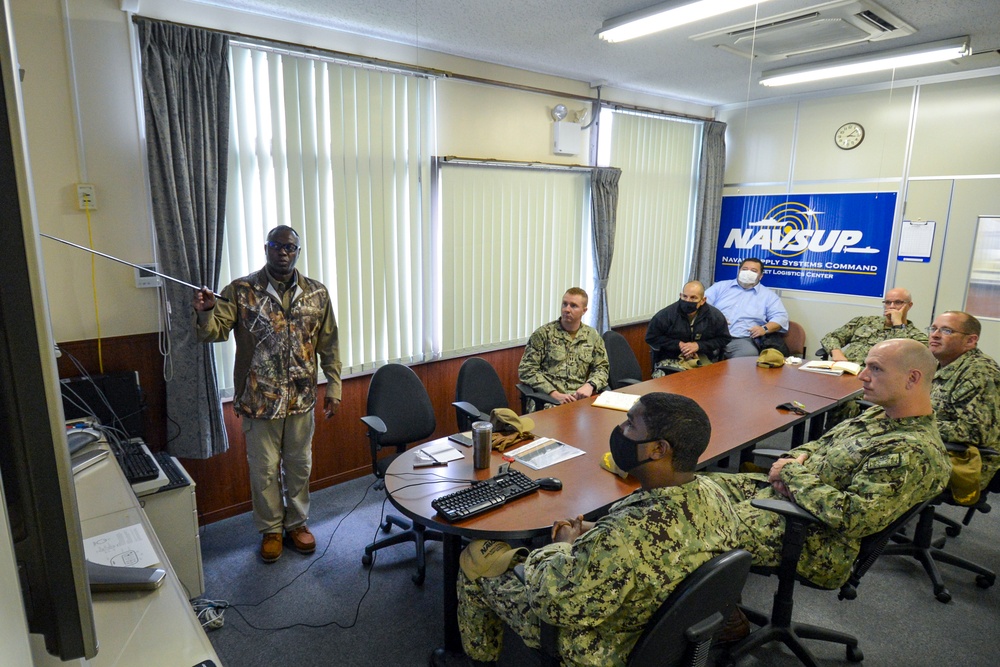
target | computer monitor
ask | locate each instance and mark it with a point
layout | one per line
(38, 492)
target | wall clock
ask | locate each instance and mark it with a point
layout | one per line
(849, 135)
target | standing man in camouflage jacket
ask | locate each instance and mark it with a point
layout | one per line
(566, 359)
(966, 395)
(600, 583)
(852, 341)
(859, 476)
(282, 321)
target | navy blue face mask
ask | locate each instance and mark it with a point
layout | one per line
(625, 450)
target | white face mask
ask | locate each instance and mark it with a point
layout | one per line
(747, 277)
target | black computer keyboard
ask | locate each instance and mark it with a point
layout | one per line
(137, 465)
(169, 468)
(485, 495)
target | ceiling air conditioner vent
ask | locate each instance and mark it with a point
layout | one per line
(820, 28)
(876, 21)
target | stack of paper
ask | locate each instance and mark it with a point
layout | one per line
(436, 455)
(544, 452)
(832, 367)
(616, 400)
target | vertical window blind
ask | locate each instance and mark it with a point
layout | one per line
(512, 240)
(342, 154)
(658, 157)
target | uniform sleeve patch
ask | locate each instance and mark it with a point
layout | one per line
(884, 462)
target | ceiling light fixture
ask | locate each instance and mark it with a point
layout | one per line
(666, 15)
(921, 54)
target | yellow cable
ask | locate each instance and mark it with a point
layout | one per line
(93, 284)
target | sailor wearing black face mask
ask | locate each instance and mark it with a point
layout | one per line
(601, 582)
(687, 333)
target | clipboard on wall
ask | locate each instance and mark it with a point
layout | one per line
(916, 239)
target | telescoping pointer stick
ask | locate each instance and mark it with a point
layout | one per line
(134, 266)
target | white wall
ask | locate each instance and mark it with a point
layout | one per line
(937, 145)
(99, 139)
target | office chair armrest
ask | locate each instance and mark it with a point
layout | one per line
(471, 411)
(629, 381)
(770, 453)
(959, 448)
(375, 425)
(538, 396)
(822, 353)
(703, 631)
(787, 509)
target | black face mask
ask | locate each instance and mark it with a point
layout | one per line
(624, 450)
(687, 307)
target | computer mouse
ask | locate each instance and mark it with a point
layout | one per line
(550, 483)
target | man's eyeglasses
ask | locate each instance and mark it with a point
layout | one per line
(290, 248)
(945, 331)
(897, 303)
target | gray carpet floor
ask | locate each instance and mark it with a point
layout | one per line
(326, 609)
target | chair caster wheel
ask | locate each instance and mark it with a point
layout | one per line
(418, 578)
(366, 560)
(985, 581)
(952, 531)
(943, 596)
(854, 654)
(387, 526)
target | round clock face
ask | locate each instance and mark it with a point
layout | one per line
(849, 136)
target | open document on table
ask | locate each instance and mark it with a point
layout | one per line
(544, 452)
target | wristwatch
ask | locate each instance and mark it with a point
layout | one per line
(594, 386)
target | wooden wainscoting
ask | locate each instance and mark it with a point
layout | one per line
(340, 447)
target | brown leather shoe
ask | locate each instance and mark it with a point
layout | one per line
(736, 627)
(270, 547)
(303, 540)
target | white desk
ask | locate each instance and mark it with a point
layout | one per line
(148, 628)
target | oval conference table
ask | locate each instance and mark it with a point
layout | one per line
(739, 397)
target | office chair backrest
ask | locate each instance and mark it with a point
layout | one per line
(711, 589)
(625, 368)
(398, 397)
(479, 384)
(872, 547)
(795, 339)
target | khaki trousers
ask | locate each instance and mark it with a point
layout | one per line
(279, 454)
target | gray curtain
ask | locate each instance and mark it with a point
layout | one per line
(604, 214)
(710, 180)
(185, 82)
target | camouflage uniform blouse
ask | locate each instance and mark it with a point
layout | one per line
(275, 370)
(966, 398)
(555, 360)
(602, 589)
(857, 479)
(859, 335)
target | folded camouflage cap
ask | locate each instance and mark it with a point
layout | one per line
(488, 558)
(505, 420)
(771, 358)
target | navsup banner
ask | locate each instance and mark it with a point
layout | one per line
(837, 243)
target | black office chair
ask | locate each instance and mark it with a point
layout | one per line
(478, 391)
(779, 625)
(929, 552)
(624, 367)
(399, 413)
(681, 631)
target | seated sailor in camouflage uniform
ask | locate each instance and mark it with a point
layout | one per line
(966, 398)
(566, 358)
(852, 341)
(600, 583)
(859, 476)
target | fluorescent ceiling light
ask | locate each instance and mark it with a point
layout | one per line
(949, 49)
(666, 15)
